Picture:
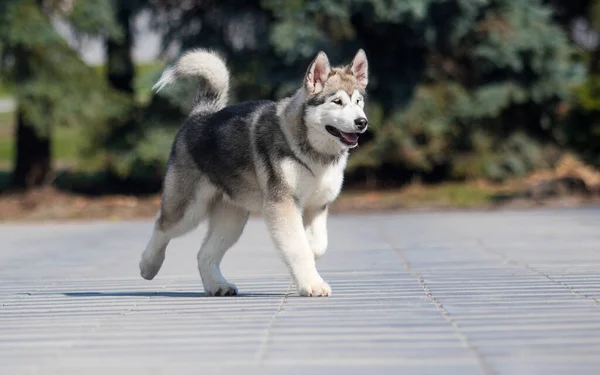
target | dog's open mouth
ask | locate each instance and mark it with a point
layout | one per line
(350, 139)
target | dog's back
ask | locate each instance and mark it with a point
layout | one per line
(214, 144)
(221, 146)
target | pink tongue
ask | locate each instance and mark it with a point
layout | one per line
(350, 137)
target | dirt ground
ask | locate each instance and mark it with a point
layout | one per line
(52, 205)
(569, 184)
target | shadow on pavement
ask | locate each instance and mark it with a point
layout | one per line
(163, 294)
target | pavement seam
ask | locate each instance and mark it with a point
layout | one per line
(540, 273)
(262, 349)
(485, 367)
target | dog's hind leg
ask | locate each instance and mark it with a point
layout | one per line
(226, 223)
(154, 255)
(182, 209)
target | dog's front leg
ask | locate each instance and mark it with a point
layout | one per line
(284, 220)
(315, 222)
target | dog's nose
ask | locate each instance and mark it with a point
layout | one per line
(361, 123)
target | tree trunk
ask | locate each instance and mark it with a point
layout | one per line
(120, 74)
(32, 165)
(120, 64)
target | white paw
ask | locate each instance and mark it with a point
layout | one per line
(318, 289)
(220, 290)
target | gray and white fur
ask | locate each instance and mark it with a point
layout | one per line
(284, 159)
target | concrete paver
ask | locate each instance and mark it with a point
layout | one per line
(436, 293)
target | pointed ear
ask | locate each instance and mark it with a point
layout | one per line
(317, 73)
(360, 68)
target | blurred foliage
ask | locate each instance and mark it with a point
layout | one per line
(52, 85)
(582, 128)
(459, 89)
(467, 89)
(581, 131)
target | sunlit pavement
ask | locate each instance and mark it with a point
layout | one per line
(449, 293)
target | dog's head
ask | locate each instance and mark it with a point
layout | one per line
(334, 104)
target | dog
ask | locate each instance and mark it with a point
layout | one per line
(284, 159)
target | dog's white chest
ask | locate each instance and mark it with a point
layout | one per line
(315, 187)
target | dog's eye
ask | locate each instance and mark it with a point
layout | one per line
(337, 101)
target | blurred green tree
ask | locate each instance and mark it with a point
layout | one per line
(53, 86)
(238, 30)
(463, 88)
(581, 129)
(458, 88)
(119, 136)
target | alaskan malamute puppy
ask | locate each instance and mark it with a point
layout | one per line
(284, 159)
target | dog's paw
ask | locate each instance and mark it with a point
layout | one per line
(220, 290)
(149, 268)
(318, 289)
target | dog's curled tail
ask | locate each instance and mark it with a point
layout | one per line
(213, 91)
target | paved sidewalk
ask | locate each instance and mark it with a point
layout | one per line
(453, 293)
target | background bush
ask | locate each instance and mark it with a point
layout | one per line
(459, 89)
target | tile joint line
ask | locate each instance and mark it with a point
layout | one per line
(262, 350)
(507, 259)
(487, 369)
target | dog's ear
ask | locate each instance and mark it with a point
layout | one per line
(360, 68)
(317, 73)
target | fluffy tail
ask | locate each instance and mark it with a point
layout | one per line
(213, 91)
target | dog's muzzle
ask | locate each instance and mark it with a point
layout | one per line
(349, 139)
